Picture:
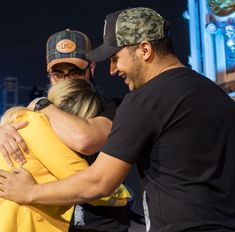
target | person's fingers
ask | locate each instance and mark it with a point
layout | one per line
(3, 177)
(12, 144)
(1, 189)
(18, 138)
(16, 150)
(12, 150)
(20, 125)
(5, 156)
(4, 174)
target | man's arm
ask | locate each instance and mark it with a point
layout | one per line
(84, 136)
(99, 180)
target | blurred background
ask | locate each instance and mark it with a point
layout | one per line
(203, 34)
(26, 26)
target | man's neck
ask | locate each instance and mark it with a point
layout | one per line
(163, 64)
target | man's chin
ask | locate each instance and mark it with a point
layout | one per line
(131, 88)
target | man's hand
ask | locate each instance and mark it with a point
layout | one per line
(11, 143)
(16, 186)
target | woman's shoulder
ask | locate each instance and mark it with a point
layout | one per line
(31, 116)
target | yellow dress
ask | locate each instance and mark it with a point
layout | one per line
(48, 160)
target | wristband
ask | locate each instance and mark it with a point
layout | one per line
(41, 104)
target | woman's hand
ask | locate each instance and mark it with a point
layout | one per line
(11, 143)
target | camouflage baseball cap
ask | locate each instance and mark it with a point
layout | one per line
(68, 46)
(128, 27)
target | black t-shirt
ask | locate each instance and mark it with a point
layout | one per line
(109, 107)
(180, 130)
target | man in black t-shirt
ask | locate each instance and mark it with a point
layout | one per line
(175, 124)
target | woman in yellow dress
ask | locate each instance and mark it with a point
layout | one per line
(49, 160)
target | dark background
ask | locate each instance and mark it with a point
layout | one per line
(26, 25)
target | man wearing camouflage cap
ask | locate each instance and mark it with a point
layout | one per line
(175, 124)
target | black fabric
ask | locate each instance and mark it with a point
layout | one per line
(109, 46)
(108, 111)
(109, 108)
(102, 52)
(180, 130)
(105, 219)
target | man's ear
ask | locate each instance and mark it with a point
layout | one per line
(53, 80)
(146, 50)
(92, 67)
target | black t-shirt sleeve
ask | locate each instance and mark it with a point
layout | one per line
(109, 109)
(132, 131)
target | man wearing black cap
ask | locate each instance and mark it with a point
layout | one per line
(177, 125)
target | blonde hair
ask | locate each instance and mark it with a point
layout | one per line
(77, 97)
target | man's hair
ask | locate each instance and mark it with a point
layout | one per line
(162, 47)
(77, 97)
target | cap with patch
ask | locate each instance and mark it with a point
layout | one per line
(68, 46)
(129, 27)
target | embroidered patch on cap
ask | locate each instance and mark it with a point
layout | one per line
(65, 46)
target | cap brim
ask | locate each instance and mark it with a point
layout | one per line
(102, 52)
(82, 64)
